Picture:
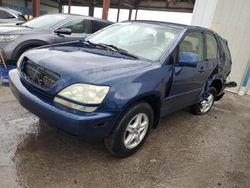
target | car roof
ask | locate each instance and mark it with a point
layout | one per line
(170, 24)
(81, 16)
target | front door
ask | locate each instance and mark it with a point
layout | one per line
(187, 82)
(78, 28)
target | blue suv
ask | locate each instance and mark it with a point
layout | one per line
(118, 82)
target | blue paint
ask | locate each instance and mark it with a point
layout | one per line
(4, 73)
(170, 86)
(246, 78)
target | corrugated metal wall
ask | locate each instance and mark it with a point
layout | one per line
(47, 6)
(231, 19)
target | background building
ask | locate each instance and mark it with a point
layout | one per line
(231, 19)
(25, 6)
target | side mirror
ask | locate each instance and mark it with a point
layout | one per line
(188, 59)
(63, 31)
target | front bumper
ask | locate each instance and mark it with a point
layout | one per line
(87, 125)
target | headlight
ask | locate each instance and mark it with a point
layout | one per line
(6, 38)
(82, 96)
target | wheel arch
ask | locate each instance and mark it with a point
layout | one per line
(22, 47)
(154, 101)
(217, 84)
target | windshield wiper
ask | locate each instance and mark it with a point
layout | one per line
(118, 50)
(27, 26)
(88, 42)
(112, 48)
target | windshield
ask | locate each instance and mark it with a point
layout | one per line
(143, 40)
(44, 22)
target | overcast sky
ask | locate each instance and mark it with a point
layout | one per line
(184, 18)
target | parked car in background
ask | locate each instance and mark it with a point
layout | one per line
(117, 83)
(11, 17)
(44, 30)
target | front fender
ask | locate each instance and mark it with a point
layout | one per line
(26, 44)
(132, 88)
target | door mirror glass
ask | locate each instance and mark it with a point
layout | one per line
(63, 31)
(188, 59)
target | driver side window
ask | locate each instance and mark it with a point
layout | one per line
(76, 26)
(193, 43)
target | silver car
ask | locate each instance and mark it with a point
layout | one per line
(11, 17)
(45, 30)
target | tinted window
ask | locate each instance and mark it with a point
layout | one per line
(76, 26)
(9, 15)
(96, 25)
(3, 15)
(193, 43)
(225, 49)
(212, 47)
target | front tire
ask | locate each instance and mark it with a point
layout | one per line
(206, 104)
(131, 132)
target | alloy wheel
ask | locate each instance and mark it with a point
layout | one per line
(136, 130)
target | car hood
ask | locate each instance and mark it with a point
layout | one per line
(76, 65)
(16, 30)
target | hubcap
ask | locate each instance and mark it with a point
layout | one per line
(207, 103)
(136, 130)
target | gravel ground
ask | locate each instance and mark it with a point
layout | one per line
(185, 151)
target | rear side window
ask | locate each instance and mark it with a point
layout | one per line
(226, 50)
(193, 43)
(212, 47)
(96, 25)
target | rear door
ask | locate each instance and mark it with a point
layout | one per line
(187, 82)
(79, 30)
(212, 53)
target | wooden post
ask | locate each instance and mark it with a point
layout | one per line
(136, 11)
(130, 14)
(36, 8)
(105, 9)
(60, 7)
(118, 13)
(91, 8)
(69, 6)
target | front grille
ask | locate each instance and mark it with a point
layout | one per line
(37, 75)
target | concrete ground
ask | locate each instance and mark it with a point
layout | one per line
(185, 151)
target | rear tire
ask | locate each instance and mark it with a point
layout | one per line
(131, 131)
(206, 104)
